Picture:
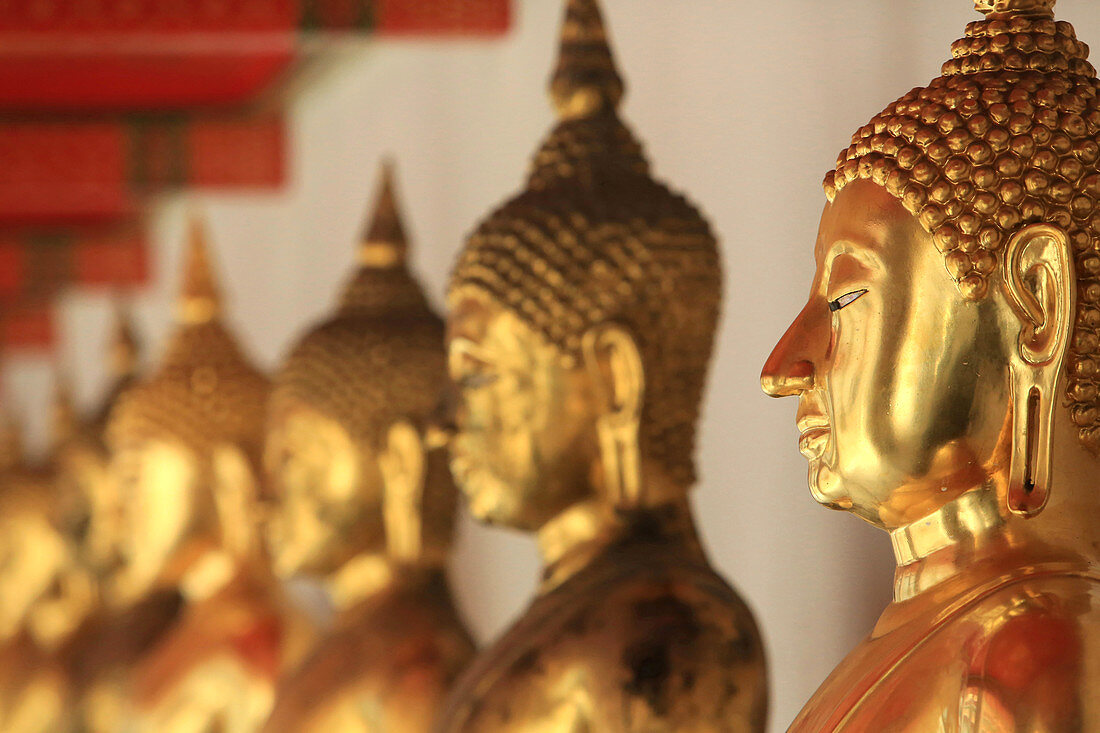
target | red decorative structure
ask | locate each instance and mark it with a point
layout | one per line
(103, 104)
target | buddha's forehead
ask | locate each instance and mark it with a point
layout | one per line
(298, 420)
(865, 216)
(481, 325)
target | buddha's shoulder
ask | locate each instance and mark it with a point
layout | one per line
(1020, 650)
(1036, 627)
(647, 591)
(375, 659)
(1068, 602)
(660, 626)
(645, 650)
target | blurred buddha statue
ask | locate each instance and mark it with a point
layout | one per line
(44, 599)
(947, 371)
(583, 314)
(186, 442)
(90, 502)
(104, 640)
(365, 503)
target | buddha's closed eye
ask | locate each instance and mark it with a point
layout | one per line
(846, 300)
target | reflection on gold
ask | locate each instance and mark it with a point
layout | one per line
(956, 407)
(186, 441)
(364, 504)
(582, 320)
(35, 567)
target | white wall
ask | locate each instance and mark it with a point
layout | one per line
(744, 105)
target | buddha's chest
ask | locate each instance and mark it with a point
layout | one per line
(923, 693)
(657, 655)
(1018, 660)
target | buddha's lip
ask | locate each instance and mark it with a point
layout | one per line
(806, 423)
(814, 432)
(812, 442)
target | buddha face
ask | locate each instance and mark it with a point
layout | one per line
(158, 481)
(328, 492)
(31, 557)
(525, 447)
(93, 510)
(903, 385)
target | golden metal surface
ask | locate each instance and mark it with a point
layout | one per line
(91, 511)
(364, 504)
(582, 320)
(186, 445)
(34, 691)
(956, 407)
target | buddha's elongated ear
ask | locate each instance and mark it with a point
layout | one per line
(614, 363)
(236, 499)
(1040, 285)
(402, 462)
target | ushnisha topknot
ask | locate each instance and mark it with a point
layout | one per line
(1006, 137)
(204, 392)
(595, 239)
(380, 358)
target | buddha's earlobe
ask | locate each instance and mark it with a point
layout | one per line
(1039, 283)
(237, 500)
(402, 462)
(612, 359)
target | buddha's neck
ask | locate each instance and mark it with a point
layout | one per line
(570, 541)
(974, 539)
(937, 547)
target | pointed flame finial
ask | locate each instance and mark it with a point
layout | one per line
(586, 81)
(123, 346)
(1000, 8)
(200, 296)
(384, 244)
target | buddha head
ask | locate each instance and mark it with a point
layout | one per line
(91, 512)
(347, 450)
(185, 441)
(583, 314)
(950, 337)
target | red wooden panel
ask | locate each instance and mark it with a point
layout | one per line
(134, 18)
(49, 263)
(12, 265)
(246, 152)
(128, 54)
(57, 172)
(472, 17)
(93, 82)
(27, 326)
(117, 257)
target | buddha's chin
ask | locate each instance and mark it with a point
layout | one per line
(827, 488)
(486, 499)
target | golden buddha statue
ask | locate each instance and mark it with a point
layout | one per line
(43, 600)
(90, 504)
(946, 369)
(583, 315)
(96, 635)
(365, 503)
(186, 442)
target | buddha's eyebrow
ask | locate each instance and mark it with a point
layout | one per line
(862, 253)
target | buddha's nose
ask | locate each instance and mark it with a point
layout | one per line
(788, 371)
(795, 380)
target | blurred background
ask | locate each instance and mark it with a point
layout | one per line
(271, 121)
